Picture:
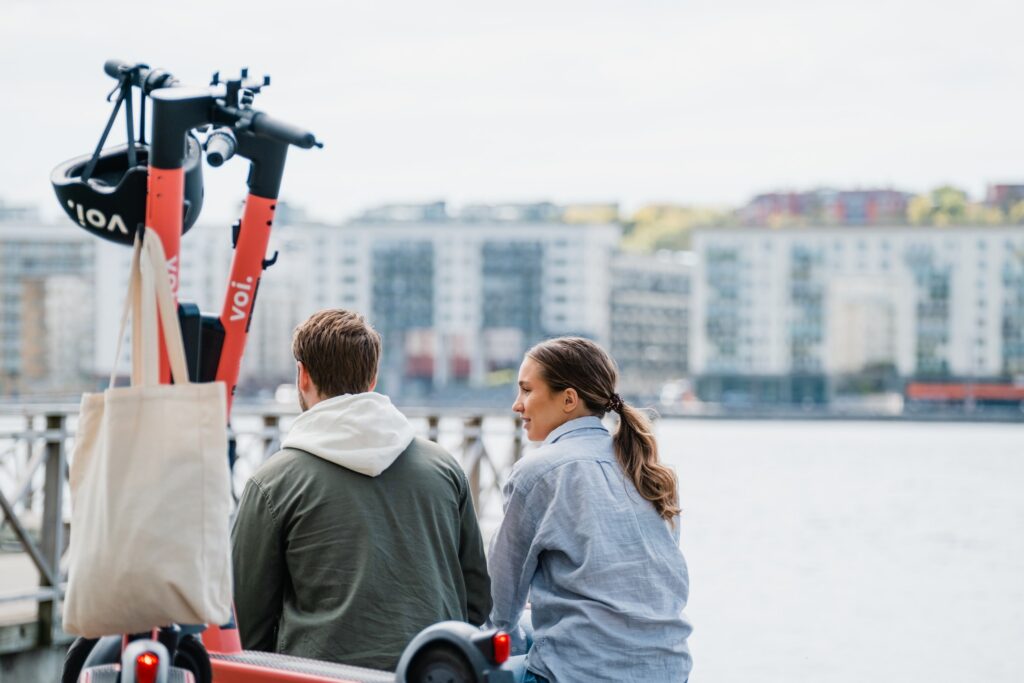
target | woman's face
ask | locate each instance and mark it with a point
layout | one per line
(542, 410)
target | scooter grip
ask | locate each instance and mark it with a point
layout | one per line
(113, 67)
(285, 132)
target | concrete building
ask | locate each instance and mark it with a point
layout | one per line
(826, 207)
(46, 301)
(776, 313)
(1005, 196)
(457, 299)
(650, 320)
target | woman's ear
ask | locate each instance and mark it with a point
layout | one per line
(571, 400)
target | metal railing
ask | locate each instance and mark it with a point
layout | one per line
(33, 458)
(36, 443)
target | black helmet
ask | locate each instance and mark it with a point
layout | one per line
(111, 202)
(105, 192)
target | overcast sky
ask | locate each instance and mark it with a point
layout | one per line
(703, 102)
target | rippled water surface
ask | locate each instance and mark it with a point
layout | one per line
(852, 551)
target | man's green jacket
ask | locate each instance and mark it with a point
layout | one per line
(354, 537)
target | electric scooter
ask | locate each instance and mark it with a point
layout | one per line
(113, 194)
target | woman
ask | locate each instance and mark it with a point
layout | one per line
(590, 532)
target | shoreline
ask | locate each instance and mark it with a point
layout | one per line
(12, 408)
(991, 416)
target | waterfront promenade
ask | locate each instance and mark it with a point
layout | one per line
(36, 443)
(811, 541)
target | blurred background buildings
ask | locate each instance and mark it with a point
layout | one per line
(796, 298)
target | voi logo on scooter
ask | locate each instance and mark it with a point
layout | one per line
(241, 296)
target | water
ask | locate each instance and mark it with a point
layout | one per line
(849, 551)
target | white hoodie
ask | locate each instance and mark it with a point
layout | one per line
(362, 432)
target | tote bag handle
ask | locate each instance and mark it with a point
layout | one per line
(148, 280)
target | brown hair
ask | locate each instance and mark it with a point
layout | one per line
(586, 367)
(340, 351)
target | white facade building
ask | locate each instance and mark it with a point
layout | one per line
(650, 313)
(454, 300)
(46, 299)
(926, 301)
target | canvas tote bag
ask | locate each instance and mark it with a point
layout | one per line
(150, 491)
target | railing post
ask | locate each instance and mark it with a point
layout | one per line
(52, 532)
(271, 439)
(30, 494)
(433, 427)
(472, 453)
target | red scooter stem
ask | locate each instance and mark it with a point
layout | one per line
(166, 195)
(246, 271)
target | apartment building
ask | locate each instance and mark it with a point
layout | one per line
(776, 312)
(457, 297)
(650, 319)
(46, 273)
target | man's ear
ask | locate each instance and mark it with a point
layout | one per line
(571, 400)
(373, 384)
(303, 376)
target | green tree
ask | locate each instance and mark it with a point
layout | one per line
(1016, 213)
(983, 214)
(919, 210)
(668, 226)
(948, 205)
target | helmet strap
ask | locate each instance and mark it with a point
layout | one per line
(130, 119)
(124, 90)
(142, 118)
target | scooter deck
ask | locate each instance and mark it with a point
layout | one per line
(254, 666)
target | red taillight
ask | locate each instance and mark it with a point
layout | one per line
(502, 644)
(146, 666)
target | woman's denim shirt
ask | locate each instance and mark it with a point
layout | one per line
(603, 571)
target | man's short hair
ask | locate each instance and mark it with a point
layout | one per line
(340, 351)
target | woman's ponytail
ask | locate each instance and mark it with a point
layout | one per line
(637, 452)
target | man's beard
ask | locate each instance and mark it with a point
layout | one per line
(302, 403)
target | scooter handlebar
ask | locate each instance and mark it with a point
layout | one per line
(285, 132)
(140, 75)
(114, 67)
(261, 124)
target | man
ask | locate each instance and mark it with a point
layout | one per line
(356, 535)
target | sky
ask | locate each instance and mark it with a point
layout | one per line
(693, 101)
